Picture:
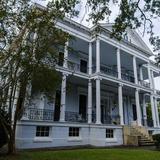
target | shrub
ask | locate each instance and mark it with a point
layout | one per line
(156, 138)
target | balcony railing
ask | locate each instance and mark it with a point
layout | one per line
(145, 84)
(107, 119)
(39, 114)
(127, 77)
(73, 66)
(109, 71)
(106, 70)
(158, 92)
(75, 117)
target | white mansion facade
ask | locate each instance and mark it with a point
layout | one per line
(106, 85)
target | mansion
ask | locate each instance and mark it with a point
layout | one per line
(107, 90)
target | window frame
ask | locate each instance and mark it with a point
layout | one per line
(74, 132)
(42, 131)
(109, 133)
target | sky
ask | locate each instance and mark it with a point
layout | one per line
(115, 11)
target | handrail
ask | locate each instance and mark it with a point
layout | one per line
(128, 77)
(39, 114)
(158, 92)
(145, 84)
(75, 117)
(109, 71)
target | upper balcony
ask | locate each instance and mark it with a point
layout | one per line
(158, 92)
(78, 61)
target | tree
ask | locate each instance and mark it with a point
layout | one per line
(133, 14)
(30, 42)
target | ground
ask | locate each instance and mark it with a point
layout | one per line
(86, 154)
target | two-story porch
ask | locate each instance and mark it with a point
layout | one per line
(121, 74)
(104, 87)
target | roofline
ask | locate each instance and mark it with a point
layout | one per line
(128, 43)
(77, 24)
(92, 28)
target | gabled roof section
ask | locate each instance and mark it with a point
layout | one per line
(131, 37)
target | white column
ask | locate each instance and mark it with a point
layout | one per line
(65, 63)
(157, 112)
(90, 58)
(152, 79)
(153, 111)
(139, 118)
(27, 99)
(119, 63)
(149, 76)
(120, 103)
(97, 56)
(98, 101)
(14, 104)
(141, 73)
(63, 98)
(89, 101)
(135, 69)
(144, 110)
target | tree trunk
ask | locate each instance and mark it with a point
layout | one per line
(11, 143)
(18, 112)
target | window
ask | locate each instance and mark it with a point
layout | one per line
(42, 131)
(109, 133)
(73, 132)
(83, 66)
(60, 58)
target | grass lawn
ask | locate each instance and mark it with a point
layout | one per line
(87, 154)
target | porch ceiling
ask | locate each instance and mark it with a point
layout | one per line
(79, 45)
(126, 61)
(77, 81)
(107, 54)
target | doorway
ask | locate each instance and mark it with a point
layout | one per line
(134, 112)
(83, 66)
(57, 106)
(82, 106)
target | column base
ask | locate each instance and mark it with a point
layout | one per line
(98, 122)
(61, 120)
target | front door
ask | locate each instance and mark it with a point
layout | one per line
(82, 106)
(134, 112)
(57, 106)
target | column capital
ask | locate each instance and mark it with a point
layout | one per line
(65, 74)
(97, 38)
(98, 78)
(120, 84)
(90, 43)
(134, 56)
(118, 49)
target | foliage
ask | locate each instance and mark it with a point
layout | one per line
(156, 138)
(29, 47)
(132, 14)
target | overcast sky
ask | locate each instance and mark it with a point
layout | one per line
(115, 11)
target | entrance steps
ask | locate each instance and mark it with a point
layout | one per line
(137, 136)
(144, 141)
